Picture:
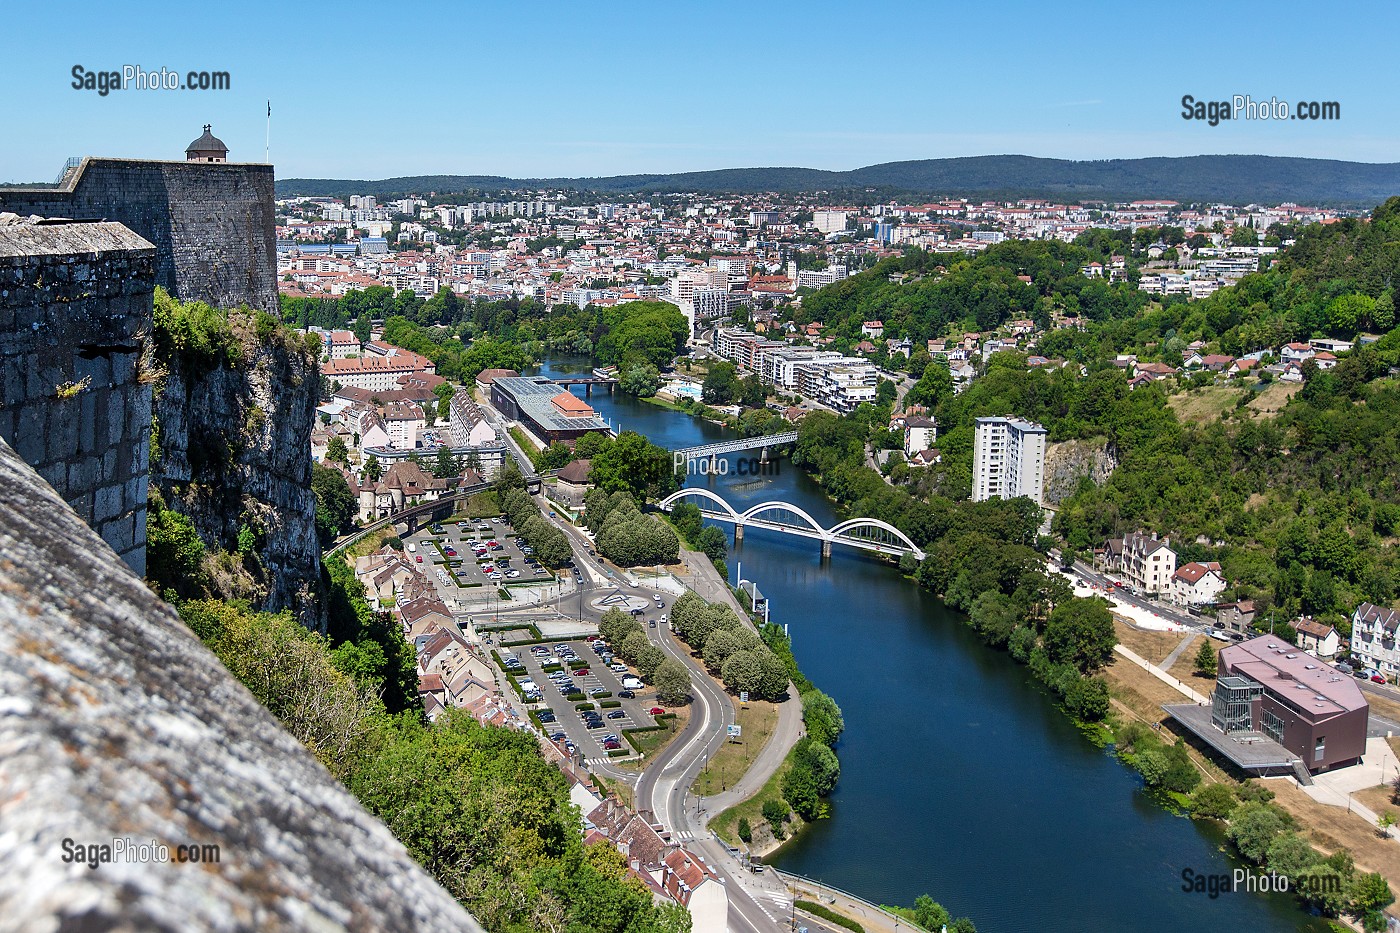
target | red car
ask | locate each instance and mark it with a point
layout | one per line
(418, 558)
(656, 711)
(581, 672)
(1378, 679)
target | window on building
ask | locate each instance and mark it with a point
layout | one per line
(1273, 726)
(1320, 748)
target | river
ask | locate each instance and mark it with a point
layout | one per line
(959, 776)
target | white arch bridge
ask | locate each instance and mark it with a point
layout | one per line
(869, 534)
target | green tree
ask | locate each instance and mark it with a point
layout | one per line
(822, 717)
(633, 464)
(336, 451)
(741, 671)
(1205, 659)
(1080, 633)
(1213, 801)
(1253, 828)
(745, 831)
(672, 682)
(373, 471)
(640, 379)
(713, 542)
(335, 504)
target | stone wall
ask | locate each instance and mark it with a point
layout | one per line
(75, 312)
(213, 224)
(117, 723)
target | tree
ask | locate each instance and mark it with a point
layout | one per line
(1205, 659)
(745, 831)
(672, 682)
(1080, 633)
(1384, 822)
(772, 675)
(1087, 699)
(1369, 893)
(335, 504)
(373, 471)
(1253, 828)
(713, 542)
(336, 451)
(776, 814)
(633, 464)
(1214, 801)
(822, 717)
(647, 661)
(446, 465)
(721, 384)
(640, 379)
(741, 671)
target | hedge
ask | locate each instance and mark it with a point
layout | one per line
(618, 753)
(610, 704)
(818, 910)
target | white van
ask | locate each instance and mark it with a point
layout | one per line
(632, 683)
(412, 548)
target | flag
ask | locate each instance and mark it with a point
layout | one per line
(269, 109)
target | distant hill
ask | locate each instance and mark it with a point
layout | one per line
(1237, 179)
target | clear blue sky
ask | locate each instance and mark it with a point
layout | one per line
(523, 88)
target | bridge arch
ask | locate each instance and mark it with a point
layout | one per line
(851, 524)
(697, 493)
(775, 506)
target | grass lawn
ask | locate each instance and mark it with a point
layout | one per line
(1272, 399)
(619, 789)
(481, 505)
(651, 743)
(727, 823)
(1153, 646)
(1206, 403)
(370, 543)
(757, 720)
(1330, 828)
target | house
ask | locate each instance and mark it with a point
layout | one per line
(573, 482)
(487, 378)
(1155, 371)
(1316, 638)
(920, 431)
(403, 484)
(1235, 617)
(1373, 639)
(1295, 352)
(1216, 362)
(1240, 367)
(693, 884)
(1146, 562)
(925, 458)
(872, 329)
(1197, 583)
(1324, 359)
(1192, 359)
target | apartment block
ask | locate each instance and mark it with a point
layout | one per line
(1008, 459)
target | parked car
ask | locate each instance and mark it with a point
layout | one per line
(656, 711)
(1378, 679)
(616, 714)
(581, 672)
(1344, 667)
(418, 558)
(626, 695)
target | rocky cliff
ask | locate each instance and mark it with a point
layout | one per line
(234, 410)
(1069, 463)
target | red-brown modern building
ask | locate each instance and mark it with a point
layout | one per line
(1275, 708)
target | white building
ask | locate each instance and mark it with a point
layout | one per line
(830, 221)
(1373, 638)
(1008, 459)
(919, 434)
(1197, 584)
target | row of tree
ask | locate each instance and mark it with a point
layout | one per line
(550, 544)
(628, 640)
(624, 534)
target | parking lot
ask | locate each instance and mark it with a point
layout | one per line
(476, 553)
(566, 662)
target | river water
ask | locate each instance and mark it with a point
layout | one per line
(959, 777)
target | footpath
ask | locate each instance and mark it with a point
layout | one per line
(701, 576)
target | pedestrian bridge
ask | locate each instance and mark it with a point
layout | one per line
(868, 534)
(763, 442)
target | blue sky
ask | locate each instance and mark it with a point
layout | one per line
(523, 88)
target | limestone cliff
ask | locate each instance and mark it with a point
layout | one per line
(234, 410)
(1067, 464)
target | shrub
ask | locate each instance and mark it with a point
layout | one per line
(818, 910)
(1213, 801)
(745, 830)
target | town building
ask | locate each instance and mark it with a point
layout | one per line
(1008, 459)
(1316, 638)
(1197, 583)
(375, 372)
(550, 411)
(1276, 710)
(1373, 639)
(1145, 562)
(920, 431)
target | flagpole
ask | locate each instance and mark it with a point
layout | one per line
(267, 148)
